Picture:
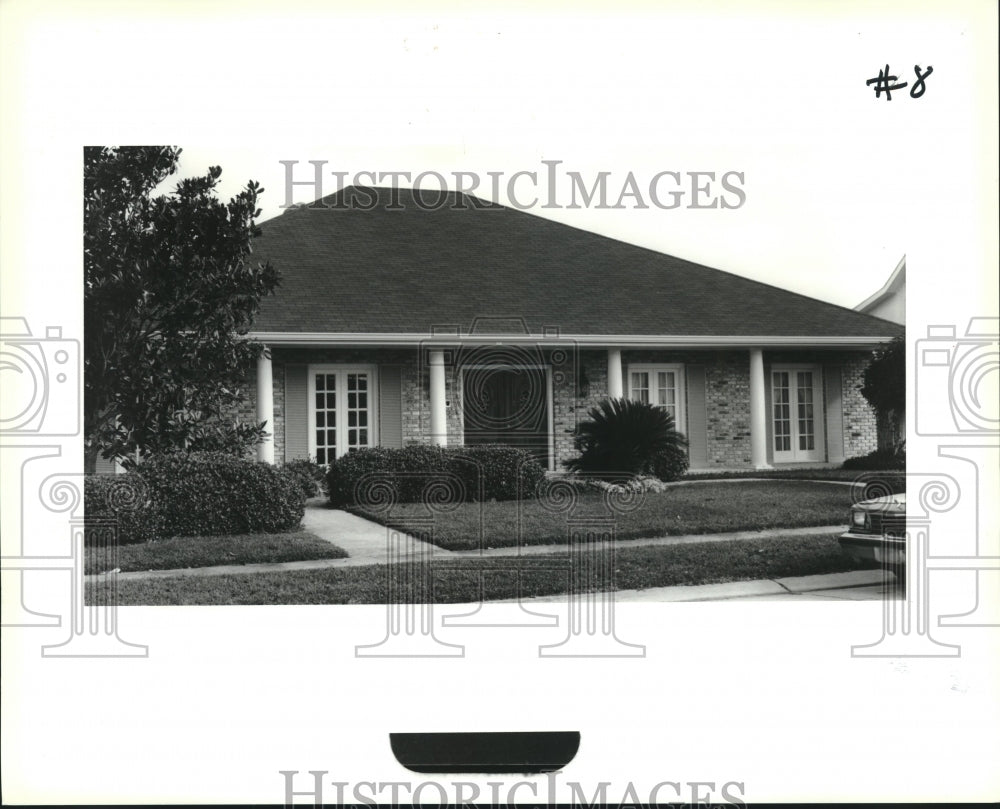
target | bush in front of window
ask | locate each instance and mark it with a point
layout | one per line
(507, 473)
(624, 437)
(438, 476)
(121, 503)
(208, 493)
(309, 475)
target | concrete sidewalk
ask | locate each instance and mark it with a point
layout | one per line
(854, 585)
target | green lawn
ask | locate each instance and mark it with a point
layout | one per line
(460, 580)
(701, 508)
(242, 549)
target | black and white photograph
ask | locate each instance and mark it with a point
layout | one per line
(592, 405)
(486, 403)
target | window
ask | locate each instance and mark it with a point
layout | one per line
(797, 413)
(661, 385)
(342, 413)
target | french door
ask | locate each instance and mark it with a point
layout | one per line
(797, 413)
(342, 415)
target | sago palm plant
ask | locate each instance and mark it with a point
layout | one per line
(626, 437)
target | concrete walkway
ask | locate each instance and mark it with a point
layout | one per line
(365, 541)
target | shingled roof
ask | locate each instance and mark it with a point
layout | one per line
(389, 271)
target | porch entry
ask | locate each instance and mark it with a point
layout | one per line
(797, 417)
(507, 404)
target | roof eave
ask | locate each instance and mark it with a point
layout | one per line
(318, 339)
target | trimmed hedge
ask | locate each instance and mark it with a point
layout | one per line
(878, 460)
(439, 475)
(206, 493)
(507, 473)
(123, 500)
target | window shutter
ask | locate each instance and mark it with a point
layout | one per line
(697, 421)
(390, 406)
(834, 413)
(296, 412)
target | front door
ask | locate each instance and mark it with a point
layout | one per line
(797, 405)
(507, 405)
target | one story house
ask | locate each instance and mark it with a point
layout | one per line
(469, 322)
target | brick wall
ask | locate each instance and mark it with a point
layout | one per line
(578, 384)
(727, 402)
(860, 425)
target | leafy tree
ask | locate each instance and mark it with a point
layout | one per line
(169, 292)
(626, 437)
(884, 383)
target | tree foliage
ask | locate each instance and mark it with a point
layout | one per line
(884, 380)
(169, 292)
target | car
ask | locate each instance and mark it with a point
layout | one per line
(877, 532)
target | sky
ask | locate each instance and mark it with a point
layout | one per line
(834, 189)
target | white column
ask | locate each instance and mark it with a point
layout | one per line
(758, 411)
(265, 406)
(439, 413)
(616, 389)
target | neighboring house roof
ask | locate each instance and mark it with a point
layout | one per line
(890, 301)
(385, 271)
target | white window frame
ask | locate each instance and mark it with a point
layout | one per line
(795, 455)
(342, 371)
(652, 368)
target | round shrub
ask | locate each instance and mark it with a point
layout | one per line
(206, 493)
(123, 500)
(670, 463)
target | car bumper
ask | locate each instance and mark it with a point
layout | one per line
(871, 548)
